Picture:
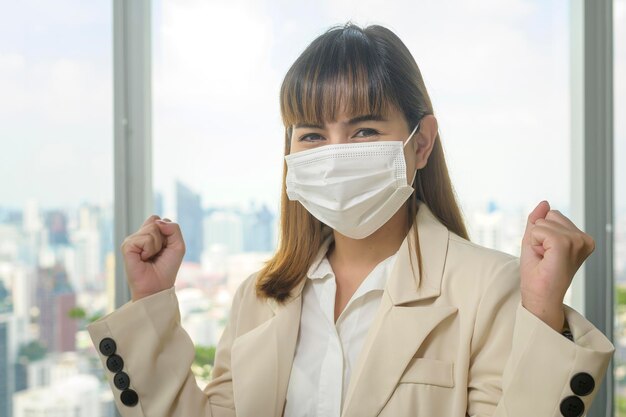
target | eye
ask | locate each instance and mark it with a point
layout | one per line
(366, 132)
(310, 137)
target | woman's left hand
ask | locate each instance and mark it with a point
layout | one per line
(553, 249)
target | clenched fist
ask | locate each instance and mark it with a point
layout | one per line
(553, 249)
(152, 257)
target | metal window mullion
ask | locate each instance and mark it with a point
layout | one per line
(592, 165)
(132, 102)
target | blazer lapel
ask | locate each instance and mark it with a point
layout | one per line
(401, 324)
(395, 337)
(261, 361)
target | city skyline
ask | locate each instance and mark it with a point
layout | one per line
(56, 275)
(51, 256)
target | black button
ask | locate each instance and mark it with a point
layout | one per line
(572, 406)
(129, 397)
(115, 363)
(121, 380)
(107, 346)
(582, 384)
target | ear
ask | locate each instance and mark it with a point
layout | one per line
(425, 140)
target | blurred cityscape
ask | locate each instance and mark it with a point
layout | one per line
(57, 275)
(57, 271)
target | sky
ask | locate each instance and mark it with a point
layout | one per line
(496, 71)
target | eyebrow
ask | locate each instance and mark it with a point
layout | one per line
(353, 121)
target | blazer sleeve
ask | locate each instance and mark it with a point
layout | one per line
(156, 355)
(520, 366)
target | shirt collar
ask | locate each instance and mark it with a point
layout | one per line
(377, 279)
(320, 268)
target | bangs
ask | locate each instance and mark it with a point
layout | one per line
(341, 71)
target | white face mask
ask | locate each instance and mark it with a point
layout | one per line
(354, 188)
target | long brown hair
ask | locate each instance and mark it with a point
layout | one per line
(361, 71)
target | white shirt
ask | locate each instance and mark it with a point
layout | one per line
(326, 352)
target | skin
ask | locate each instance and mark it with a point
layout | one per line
(553, 248)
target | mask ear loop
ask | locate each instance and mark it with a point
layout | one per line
(412, 133)
(407, 141)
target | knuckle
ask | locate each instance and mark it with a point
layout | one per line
(565, 242)
(578, 242)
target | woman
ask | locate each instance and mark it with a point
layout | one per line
(375, 303)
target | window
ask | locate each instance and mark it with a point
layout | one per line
(56, 214)
(498, 75)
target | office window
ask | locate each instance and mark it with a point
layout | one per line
(619, 210)
(56, 221)
(497, 75)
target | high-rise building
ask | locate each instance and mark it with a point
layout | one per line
(224, 228)
(7, 349)
(487, 226)
(87, 266)
(158, 204)
(189, 216)
(55, 298)
(107, 245)
(258, 230)
(18, 300)
(56, 223)
(31, 217)
(33, 234)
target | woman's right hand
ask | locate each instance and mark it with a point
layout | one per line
(152, 257)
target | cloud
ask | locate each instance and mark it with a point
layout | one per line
(216, 123)
(56, 131)
(498, 75)
(217, 48)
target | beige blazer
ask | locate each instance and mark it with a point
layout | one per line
(452, 342)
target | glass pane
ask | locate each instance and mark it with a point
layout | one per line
(619, 187)
(56, 214)
(497, 74)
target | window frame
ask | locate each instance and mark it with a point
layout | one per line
(132, 119)
(591, 31)
(591, 68)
